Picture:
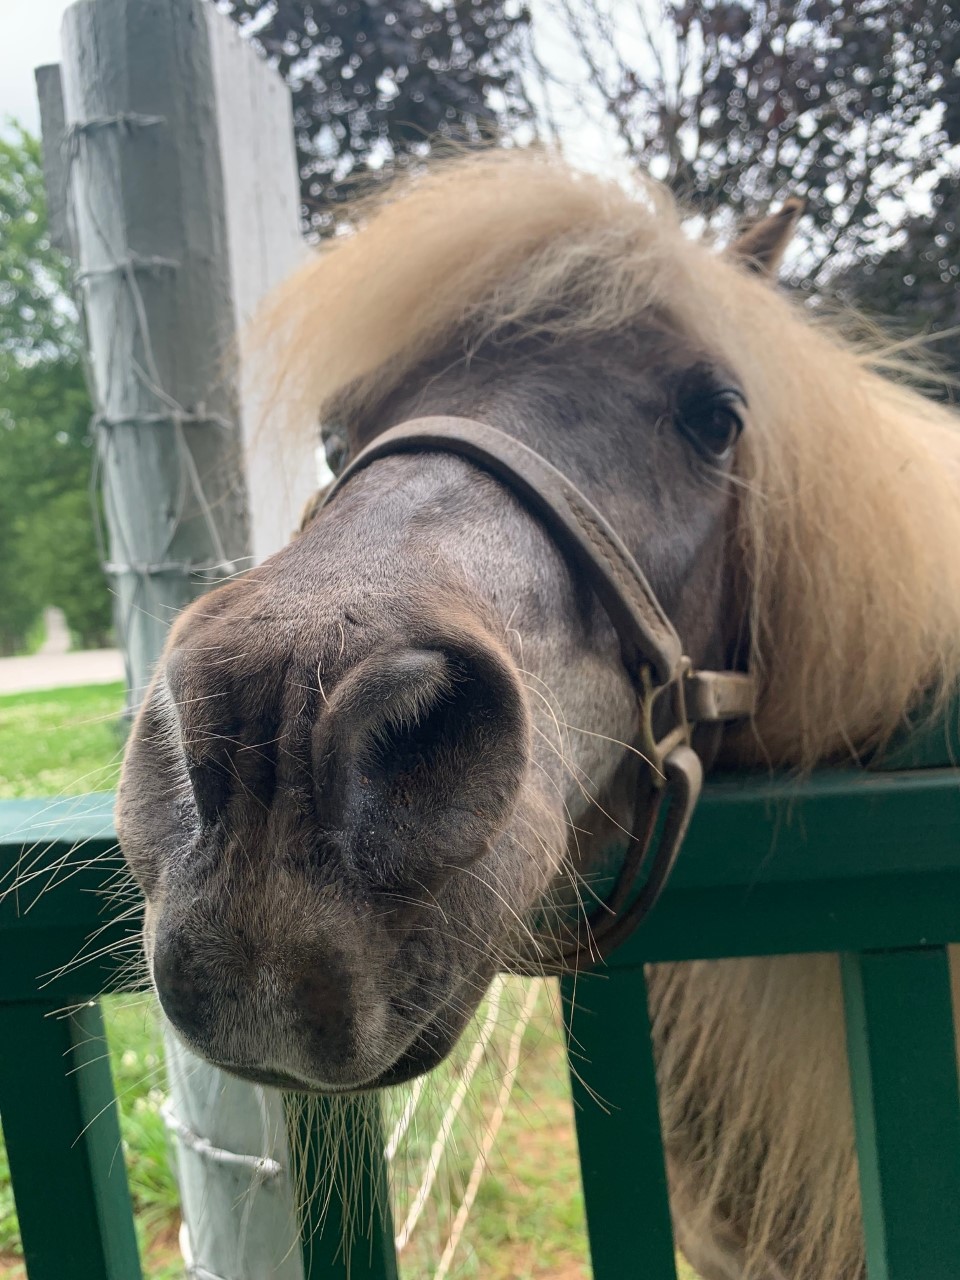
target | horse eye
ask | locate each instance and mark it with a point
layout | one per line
(335, 448)
(713, 422)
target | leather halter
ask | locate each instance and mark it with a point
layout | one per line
(667, 687)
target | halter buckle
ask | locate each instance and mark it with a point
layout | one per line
(655, 750)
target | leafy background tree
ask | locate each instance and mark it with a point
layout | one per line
(48, 553)
(376, 84)
(854, 104)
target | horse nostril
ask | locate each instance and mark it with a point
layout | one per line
(419, 754)
(176, 978)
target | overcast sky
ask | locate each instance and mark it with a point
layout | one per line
(29, 37)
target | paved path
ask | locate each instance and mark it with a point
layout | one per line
(59, 670)
(56, 631)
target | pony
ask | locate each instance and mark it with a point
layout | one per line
(363, 768)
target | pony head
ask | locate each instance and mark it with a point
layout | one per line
(369, 770)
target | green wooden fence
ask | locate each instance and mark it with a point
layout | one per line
(862, 863)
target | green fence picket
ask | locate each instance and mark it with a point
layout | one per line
(618, 1126)
(902, 1053)
(63, 1142)
(338, 1154)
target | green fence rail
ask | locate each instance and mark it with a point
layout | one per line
(862, 863)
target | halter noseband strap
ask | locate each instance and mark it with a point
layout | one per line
(652, 651)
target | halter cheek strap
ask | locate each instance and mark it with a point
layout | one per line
(668, 689)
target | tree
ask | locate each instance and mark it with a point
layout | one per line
(916, 278)
(374, 83)
(850, 103)
(48, 552)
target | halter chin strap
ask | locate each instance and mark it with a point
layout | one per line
(668, 690)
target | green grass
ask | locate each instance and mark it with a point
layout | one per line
(528, 1219)
(61, 742)
(527, 1222)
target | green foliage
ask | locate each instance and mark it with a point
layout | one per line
(48, 552)
(37, 319)
(139, 1079)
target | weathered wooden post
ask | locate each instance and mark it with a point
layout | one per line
(177, 160)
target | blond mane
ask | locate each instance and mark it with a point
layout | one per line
(849, 496)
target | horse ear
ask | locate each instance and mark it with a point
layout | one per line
(763, 245)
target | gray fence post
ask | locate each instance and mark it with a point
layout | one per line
(179, 168)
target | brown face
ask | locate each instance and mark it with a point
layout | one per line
(354, 775)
